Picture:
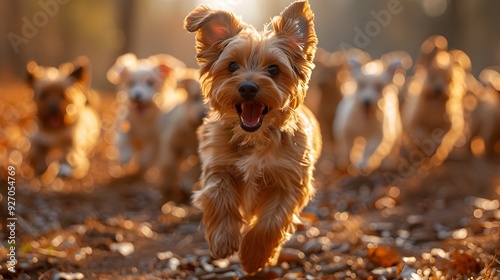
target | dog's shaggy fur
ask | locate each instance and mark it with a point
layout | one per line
(258, 145)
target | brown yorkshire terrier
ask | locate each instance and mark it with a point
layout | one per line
(66, 121)
(259, 144)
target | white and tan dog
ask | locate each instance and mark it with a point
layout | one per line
(146, 91)
(163, 109)
(68, 126)
(370, 116)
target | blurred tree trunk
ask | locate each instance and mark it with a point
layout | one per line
(455, 28)
(11, 17)
(127, 22)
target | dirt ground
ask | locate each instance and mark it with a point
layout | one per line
(442, 223)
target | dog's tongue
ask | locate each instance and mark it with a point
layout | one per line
(251, 113)
(55, 122)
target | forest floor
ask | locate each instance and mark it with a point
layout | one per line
(442, 223)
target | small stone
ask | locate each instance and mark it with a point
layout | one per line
(329, 269)
(296, 241)
(68, 276)
(230, 275)
(124, 248)
(210, 276)
(312, 246)
(344, 248)
(290, 255)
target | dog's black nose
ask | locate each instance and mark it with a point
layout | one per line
(137, 96)
(439, 89)
(248, 90)
(367, 103)
(54, 109)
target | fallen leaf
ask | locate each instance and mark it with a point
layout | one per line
(383, 256)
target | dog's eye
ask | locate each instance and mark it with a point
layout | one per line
(150, 83)
(273, 70)
(131, 84)
(233, 67)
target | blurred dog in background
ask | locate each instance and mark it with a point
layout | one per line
(162, 107)
(146, 92)
(68, 126)
(433, 111)
(486, 117)
(178, 156)
(367, 127)
(326, 88)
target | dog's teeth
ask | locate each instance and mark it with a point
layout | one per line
(251, 113)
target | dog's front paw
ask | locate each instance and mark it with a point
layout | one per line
(223, 244)
(125, 156)
(65, 170)
(256, 252)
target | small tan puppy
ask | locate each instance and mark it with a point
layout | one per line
(259, 144)
(67, 126)
(433, 113)
(371, 114)
(179, 141)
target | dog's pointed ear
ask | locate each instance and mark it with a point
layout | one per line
(430, 48)
(211, 26)
(462, 59)
(32, 69)
(166, 64)
(119, 71)
(490, 77)
(296, 25)
(354, 63)
(397, 62)
(79, 70)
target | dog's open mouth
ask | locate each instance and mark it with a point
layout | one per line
(251, 115)
(139, 106)
(53, 121)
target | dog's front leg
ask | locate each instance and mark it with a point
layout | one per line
(169, 161)
(273, 223)
(38, 157)
(370, 159)
(75, 164)
(124, 145)
(219, 200)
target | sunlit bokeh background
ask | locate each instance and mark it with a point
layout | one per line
(427, 212)
(54, 31)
